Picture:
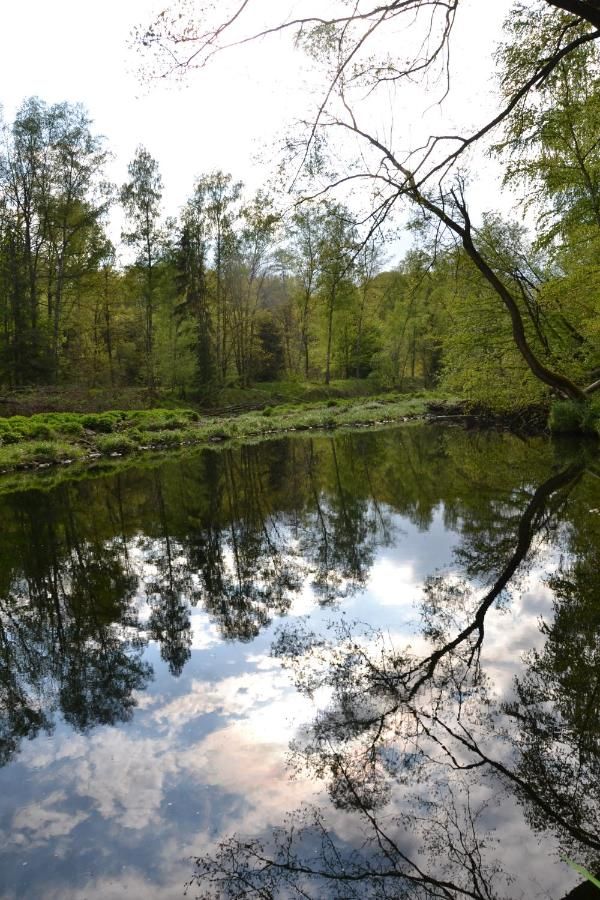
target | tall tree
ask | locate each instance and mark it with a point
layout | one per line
(336, 261)
(221, 195)
(52, 201)
(305, 237)
(76, 204)
(255, 243)
(141, 197)
(192, 263)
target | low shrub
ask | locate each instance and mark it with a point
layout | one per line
(72, 428)
(115, 443)
(40, 430)
(48, 452)
(12, 437)
(100, 423)
(570, 417)
(218, 433)
(167, 437)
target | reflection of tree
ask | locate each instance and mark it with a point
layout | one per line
(170, 592)
(409, 741)
(344, 529)
(306, 860)
(545, 503)
(247, 572)
(226, 530)
(21, 715)
(240, 533)
(98, 685)
(557, 709)
(67, 626)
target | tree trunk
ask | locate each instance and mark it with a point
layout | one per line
(329, 336)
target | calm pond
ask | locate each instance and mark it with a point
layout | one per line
(357, 666)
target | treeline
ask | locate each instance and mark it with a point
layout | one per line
(233, 293)
(228, 293)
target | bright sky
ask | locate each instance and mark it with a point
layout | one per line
(221, 117)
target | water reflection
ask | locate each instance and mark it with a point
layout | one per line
(69, 630)
(137, 617)
(238, 533)
(417, 748)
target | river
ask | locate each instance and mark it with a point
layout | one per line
(362, 665)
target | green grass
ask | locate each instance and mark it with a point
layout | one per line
(53, 438)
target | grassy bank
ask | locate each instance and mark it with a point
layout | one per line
(49, 439)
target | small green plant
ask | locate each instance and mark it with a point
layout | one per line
(115, 443)
(48, 452)
(167, 437)
(41, 430)
(102, 424)
(11, 437)
(218, 434)
(71, 427)
(43, 451)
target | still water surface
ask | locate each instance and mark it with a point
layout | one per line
(364, 666)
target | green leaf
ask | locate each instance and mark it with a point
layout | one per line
(582, 871)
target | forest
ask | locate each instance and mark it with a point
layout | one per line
(228, 293)
(241, 289)
(233, 292)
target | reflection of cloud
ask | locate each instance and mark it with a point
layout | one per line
(146, 701)
(119, 782)
(515, 630)
(391, 584)
(125, 777)
(36, 823)
(127, 884)
(236, 761)
(304, 601)
(40, 754)
(240, 761)
(204, 632)
(265, 699)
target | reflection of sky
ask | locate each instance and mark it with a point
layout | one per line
(119, 811)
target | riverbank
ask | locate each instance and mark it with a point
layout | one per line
(52, 439)
(56, 439)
